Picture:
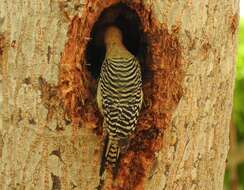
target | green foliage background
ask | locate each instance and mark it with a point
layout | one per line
(238, 109)
(239, 85)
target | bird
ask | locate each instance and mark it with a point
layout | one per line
(119, 98)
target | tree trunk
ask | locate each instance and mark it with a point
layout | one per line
(50, 136)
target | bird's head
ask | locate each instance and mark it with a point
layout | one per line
(113, 35)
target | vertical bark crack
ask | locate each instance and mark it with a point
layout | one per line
(1, 144)
(56, 182)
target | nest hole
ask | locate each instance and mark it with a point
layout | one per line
(135, 40)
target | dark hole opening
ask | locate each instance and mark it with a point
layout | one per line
(134, 38)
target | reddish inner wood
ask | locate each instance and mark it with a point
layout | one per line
(162, 92)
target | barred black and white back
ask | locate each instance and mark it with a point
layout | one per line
(119, 99)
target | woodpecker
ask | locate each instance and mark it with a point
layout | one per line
(119, 97)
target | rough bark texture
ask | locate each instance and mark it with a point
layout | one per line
(50, 134)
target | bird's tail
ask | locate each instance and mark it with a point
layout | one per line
(111, 155)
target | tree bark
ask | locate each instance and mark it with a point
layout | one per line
(50, 135)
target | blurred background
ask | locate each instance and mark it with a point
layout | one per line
(234, 178)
